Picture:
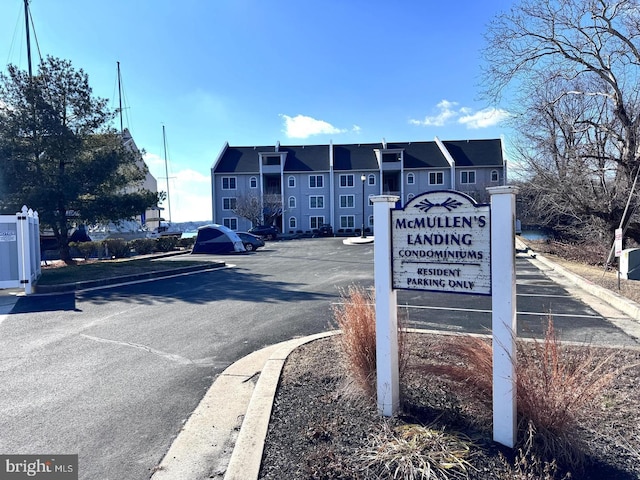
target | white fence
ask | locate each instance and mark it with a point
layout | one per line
(20, 250)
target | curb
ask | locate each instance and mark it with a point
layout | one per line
(76, 286)
(209, 445)
(626, 306)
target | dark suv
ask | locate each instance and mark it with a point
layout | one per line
(269, 232)
(325, 230)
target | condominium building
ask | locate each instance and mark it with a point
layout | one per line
(299, 188)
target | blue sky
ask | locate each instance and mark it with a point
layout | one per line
(254, 72)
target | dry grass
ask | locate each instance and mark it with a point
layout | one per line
(356, 317)
(556, 388)
(416, 452)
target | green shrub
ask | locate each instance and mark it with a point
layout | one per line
(187, 242)
(143, 246)
(117, 247)
(166, 244)
(87, 249)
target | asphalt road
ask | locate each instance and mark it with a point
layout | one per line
(113, 373)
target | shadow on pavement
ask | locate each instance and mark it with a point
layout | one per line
(45, 303)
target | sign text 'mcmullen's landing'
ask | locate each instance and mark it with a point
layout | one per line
(441, 242)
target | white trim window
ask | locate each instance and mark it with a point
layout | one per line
(467, 177)
(291, 181)
(316, 181)
(436, 178)
(371, 179)
(347, 201)
(495, 176)
(371, 220)
(315, 222)
(293, 223)
(230, 222)
(411, 179)
(346, 180)
(347, 221)
(253, 182)
(229, 203)
(316, 201)
(410, 196)
(292, 202)
(229, 183)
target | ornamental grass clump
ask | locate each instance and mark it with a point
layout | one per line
(556, 388)
(356, 317)
(417, 452)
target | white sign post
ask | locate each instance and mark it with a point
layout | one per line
(388, 383)
(503, 305)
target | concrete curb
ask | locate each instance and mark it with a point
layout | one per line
(626, 306)
(70, 287)
(240, 400)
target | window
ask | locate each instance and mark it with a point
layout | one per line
(347, 201)
(291, 181)
(253, 182)
(411, 178)
(271, 160)
(292, 202)
(436, 178)
(371, 179)
(293, 222)
(346, 180)
(315, 222)
(316, 201)
(315, 181)
(231, 223)
(347, 221)
(410, 196)
(228, 183)
(371, 220)
(468, 177)
(494, 176)
(229, 203)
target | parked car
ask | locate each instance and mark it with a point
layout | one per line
(325, 230)
(266, 231)
(251, 242)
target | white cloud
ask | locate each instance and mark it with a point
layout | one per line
(484, 118)
(448, 112)
(302, 126)
(445, 112)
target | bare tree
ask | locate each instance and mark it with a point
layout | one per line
(258, 210)
(573, 68)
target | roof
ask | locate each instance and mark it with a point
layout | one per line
(306, 158)
(361, 157)
(476, 153)
(355, 157)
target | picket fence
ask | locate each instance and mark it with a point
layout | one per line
(20, 250)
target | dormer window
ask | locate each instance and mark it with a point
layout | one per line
(390, 157)
(271, 159)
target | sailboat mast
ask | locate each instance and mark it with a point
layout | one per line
(26, 21)
(120, 99)
(166, 170)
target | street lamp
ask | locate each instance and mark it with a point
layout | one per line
(363, 178)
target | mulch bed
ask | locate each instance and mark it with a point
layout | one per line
(322, 427)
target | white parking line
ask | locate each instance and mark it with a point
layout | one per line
(573, 315)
